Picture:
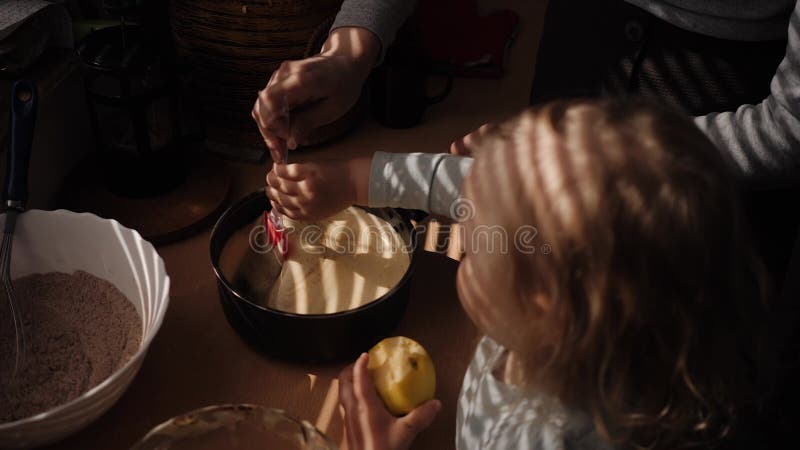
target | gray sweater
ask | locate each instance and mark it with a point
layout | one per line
(761, 143)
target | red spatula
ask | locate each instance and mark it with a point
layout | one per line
(277, 234)
(273, 220)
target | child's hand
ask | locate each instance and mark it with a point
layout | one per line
(369, 425)
(466, 145)
(316, 190)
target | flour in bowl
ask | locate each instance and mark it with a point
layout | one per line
(79, 330)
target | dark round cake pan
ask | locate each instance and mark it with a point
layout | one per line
(308, 337)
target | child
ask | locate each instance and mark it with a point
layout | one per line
(639, 329)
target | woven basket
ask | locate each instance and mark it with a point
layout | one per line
(232, 47)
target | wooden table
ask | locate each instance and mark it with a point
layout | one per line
(198, 360)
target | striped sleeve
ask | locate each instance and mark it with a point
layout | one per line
(426, 181)
(761, 143)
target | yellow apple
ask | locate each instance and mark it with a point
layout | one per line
(403, 374)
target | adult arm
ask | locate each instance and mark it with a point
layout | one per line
(761, 143)
(303, 95)
(381, 17)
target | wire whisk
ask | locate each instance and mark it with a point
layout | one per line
(23, 117)
(13, 304)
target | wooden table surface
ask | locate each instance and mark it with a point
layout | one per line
(198, 360)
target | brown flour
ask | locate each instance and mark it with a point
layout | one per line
(79, 329)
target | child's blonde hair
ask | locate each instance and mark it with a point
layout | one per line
(655, 294)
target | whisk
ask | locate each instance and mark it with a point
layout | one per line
(23, 116)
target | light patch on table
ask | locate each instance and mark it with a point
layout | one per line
(312, 380)
(356, 259)
(328, 408)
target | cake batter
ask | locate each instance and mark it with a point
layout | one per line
(337, 264)
(333, 265)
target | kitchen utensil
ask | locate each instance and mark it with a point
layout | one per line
(64, 241)
(277, 234)
(243, 427)
(23, 116)
(276, 229)
(307, 337)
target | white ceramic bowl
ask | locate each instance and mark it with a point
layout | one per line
(64, 241)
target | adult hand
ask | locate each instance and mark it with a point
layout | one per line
(306, 94)
(316, 190)
(368, 425)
